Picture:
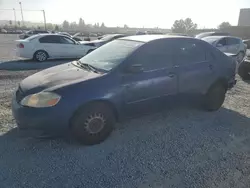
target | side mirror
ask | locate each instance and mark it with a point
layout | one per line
(136, 68)
(219, 45)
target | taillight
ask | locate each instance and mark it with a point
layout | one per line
(20, 45)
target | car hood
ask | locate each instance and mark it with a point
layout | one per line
(56, 77)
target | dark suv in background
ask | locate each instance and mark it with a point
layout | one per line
(30, 33)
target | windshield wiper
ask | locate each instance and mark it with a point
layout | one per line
(88, 67)
(83, 66)
(94, 69)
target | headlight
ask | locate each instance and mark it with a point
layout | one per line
(41, 100)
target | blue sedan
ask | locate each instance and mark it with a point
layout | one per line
(121, 79)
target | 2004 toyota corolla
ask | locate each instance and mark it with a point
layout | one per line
(88, 96)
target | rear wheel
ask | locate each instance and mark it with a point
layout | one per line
(244, 70)
(41, 56)
(93, 124)
(215, 97)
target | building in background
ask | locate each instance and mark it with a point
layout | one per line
(244, 17)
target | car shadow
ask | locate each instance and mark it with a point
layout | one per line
(21, 65)
(170, 134)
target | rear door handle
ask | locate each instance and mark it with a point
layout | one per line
(211, 66)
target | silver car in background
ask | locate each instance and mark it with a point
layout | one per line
(228, 44)
(212, 33)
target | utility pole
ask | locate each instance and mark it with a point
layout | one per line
(14, 16)
(44, 18)
(21, 11)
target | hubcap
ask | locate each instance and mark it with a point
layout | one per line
(95, 123)
(41, 56)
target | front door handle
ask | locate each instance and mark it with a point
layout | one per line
(211, 66)
(171, 74)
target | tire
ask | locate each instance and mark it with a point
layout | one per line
(40, 56)
(92, 124)
(240, 57)
(215, 97)
(244, 71)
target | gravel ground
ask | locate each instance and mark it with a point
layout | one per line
(180, 147)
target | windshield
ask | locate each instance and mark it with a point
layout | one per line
(110, 55)
(210, 40)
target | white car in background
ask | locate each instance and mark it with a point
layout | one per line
(51, 46)
(228, 44)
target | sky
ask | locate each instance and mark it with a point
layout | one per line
(134, 13)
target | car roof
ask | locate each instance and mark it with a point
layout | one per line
(148, 38)
(51, 34)
(220, 37)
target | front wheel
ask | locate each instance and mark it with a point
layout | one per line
(215, 97)
(244, 70)
(93, 124)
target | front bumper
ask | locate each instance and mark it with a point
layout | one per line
(51, 120)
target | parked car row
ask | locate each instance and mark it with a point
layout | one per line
(103, 40)
(41, 47)
(120, 79)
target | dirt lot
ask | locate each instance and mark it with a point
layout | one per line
(180, 147)
(7, 47)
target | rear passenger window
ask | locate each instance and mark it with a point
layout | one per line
(49, 39)
(232, 41)
(189, 52)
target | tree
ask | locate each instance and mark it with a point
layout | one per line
(126, 26)
(10, 22)
(19, 23)
(73, 26)
(102, 25)
(65, 24)
(49, 26)
(81, 23)
(224, 25)
(183, 26)
(56, 27)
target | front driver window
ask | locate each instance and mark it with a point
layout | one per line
(189, 52)
(222, 42)
(154, 56)
(65, 40)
